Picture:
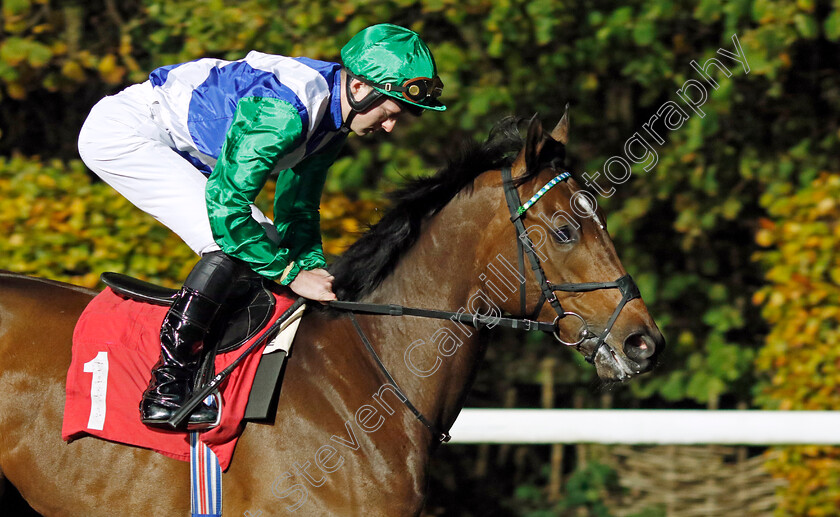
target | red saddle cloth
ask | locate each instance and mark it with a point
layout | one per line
(115, 344)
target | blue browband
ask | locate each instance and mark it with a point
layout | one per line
(563, 176)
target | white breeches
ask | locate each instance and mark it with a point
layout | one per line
(121, 142)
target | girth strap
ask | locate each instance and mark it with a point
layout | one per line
(442, 436)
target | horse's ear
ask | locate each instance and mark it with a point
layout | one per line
(528, 158)
(561, 130)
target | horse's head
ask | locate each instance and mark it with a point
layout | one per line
(568, 260)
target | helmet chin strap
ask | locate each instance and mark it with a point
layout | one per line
(357, 106)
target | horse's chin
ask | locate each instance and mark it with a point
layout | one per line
(614, 367)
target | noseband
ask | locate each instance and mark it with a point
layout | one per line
(524, 245)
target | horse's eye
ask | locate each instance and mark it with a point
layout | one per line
(563, 235)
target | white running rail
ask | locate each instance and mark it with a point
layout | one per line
(746, 427)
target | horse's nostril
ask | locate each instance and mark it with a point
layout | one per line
(639, 347)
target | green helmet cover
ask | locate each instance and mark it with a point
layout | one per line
(390, 54)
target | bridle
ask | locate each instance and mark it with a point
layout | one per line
(624, 284)
(524, 245)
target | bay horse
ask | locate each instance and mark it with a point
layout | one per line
(343, 442)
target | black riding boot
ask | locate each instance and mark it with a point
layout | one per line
(181, 340)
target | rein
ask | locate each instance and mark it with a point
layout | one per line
(442, 436)
(524, 246)
(473, 319)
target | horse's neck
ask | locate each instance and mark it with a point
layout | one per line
(433, 360)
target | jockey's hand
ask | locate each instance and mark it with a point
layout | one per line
(314, 285)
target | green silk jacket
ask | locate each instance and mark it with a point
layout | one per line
(265, 131)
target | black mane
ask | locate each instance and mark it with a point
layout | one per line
(372, 258)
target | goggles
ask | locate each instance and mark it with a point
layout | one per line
(418, 89)
(415, 90)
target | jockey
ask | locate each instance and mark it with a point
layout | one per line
(195, 144)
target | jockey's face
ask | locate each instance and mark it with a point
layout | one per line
(382, 116)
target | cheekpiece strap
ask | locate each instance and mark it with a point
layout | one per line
(525, 206)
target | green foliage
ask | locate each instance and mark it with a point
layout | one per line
(585, 488)
(585, 491)
(708, 181)
(800, 361)
(58, 224)
(45, 46)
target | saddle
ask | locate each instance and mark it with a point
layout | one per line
(243, 315)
